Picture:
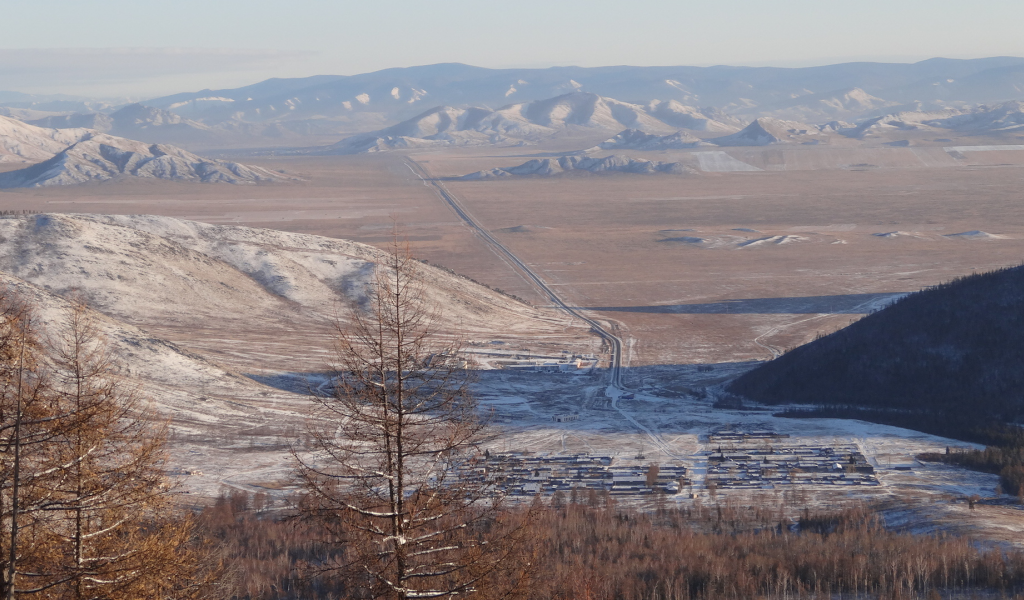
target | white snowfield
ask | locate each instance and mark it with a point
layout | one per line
(72, 156)
(718, 161)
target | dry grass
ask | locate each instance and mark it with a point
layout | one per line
(600, 239)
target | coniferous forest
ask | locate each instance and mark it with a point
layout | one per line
(947, 360)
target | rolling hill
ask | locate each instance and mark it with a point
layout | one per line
(946, 360)
(767, 131)
(1001, 118)
(72, 156)
(634, 139)
(828, 106)
(148, 270)
(21, 143)
(616, 163)
(224, 328)
(515, 124)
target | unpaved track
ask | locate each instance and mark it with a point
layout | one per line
(866, 306)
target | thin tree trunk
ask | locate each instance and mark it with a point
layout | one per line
(12, 563)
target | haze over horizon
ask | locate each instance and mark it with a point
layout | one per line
(122, 48)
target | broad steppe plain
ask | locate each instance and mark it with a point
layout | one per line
(714, 267)
(704, 268)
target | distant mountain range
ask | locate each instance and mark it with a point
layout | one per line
(58, 103)
(455, 104)
(136, 121)
(522, 124)
(519, 124)
(402, 93)
(79, 155)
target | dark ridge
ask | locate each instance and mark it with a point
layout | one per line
(947, 360)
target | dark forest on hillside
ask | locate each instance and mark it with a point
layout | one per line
(947, 360)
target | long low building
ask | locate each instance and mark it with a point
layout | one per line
(769, 466)
(528, 474)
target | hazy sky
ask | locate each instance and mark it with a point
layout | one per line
(145, 48)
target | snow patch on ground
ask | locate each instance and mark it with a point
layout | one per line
(975, 235)
(721, 162)
(777, 240)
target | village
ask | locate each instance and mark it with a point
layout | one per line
(755, 459)
(528, 474)
(764, 459)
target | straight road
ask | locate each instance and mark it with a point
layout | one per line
(613, 342)
(615, 388)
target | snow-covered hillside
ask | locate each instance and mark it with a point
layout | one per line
(212, 321)
(529, 122)
(23, 143)
(616, 163)
(138, 122)
(168, 373)
(680, 115)
(1001, 118)
(902, 121)
(634, 139)
(766, 131)
(73, 156)
(149, 269)
(829, 106)
(96, 121)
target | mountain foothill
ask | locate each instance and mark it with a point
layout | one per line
(947, 360)
(80, 155)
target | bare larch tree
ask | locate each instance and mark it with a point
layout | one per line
(85, 507)
(388, 438)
